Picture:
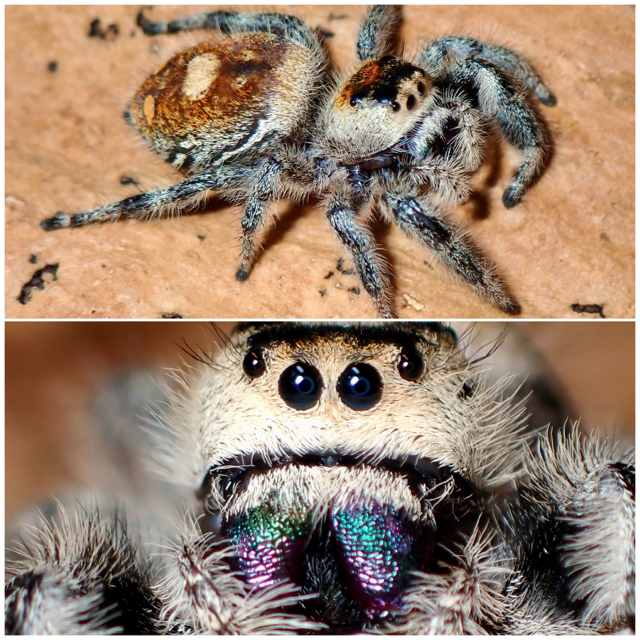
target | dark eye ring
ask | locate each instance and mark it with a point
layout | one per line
(253, 364)
(360, 386)
(411, 365)
(300, 386)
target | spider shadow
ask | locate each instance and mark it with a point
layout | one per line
(479, 199)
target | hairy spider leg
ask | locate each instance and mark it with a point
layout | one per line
(502, 102)
(419, 218)
(374, 37)
(227, 22)
(360, 242)
(158, 203)
(257, 203)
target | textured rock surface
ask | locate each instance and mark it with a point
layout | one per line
(570, 241)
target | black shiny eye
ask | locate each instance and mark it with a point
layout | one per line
(421, 88)
(253, 364)
(411, 102)
(360, 386)
(411, 365)
(395, 106)
(300, 386)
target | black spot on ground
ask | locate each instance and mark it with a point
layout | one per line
(38, 282)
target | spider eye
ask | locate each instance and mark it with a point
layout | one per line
(421, 88)
(395, 106)
(411, 102)
(360, 386)
(253, 364)
(411, 365)
(300, 386)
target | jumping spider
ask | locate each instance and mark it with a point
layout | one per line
(256, 116)
(363, 477)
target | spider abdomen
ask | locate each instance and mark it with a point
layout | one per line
(222, 97)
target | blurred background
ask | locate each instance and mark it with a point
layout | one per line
(75, 391)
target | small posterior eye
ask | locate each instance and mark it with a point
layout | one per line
(360, 386)
(254, 365)
(300, 386)
(411, 365)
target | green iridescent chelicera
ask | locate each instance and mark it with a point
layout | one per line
(269, 543)
(378, 551)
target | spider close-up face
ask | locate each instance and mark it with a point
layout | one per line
(313, 477)
(385, 144)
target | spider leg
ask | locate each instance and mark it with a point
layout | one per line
(80, 573)
(517, 119)
(148, 204)
(572, 537)
(231, 22)
(262, 194)
(419, 218)
(434, 58)
(376, 31)
(503, 99)
(360, 243)
(449, 146)
(467, 601)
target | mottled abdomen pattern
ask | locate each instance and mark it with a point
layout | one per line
(225, 97)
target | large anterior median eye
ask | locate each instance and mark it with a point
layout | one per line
(300, 386)
(360, 386)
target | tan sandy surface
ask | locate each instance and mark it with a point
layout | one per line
(571, 240)
(56, 370)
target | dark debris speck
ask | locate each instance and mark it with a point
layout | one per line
(342, 270)
(171, 316)
(96, 30)
(38, 282)
(588, 308)
(52, 67)
(33, 258)
(124, 180)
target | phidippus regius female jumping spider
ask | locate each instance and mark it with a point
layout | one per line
(256, 115)
(349, 478)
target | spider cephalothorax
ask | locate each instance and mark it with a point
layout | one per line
(254, 115)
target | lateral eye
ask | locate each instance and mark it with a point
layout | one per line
(360, 386)
(411, 365)
(300, 386)
(253, 364)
